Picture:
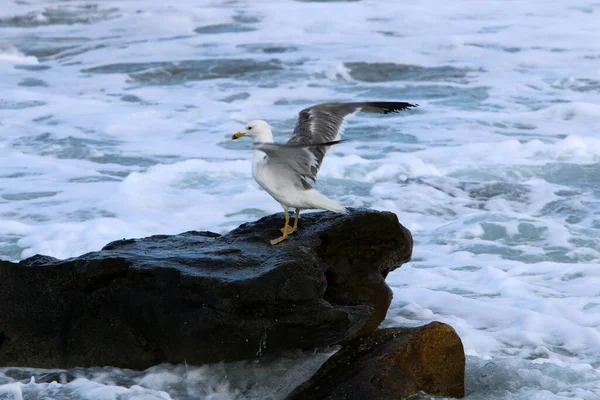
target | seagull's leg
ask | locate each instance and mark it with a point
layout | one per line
(295, 228)
(285, 229)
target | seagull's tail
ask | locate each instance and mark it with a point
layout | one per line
(321, 202)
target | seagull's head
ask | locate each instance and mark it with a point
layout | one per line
(258, 130)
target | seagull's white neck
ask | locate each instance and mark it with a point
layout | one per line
(263, 135)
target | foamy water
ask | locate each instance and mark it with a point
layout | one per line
(116, 119)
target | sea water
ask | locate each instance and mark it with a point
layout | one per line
(116, 120)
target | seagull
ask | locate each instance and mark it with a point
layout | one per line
(284, 170)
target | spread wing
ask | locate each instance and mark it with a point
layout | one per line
(324, 123)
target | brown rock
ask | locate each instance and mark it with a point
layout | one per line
(392, 363)
(358, 264)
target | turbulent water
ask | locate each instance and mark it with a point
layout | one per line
(116, 119)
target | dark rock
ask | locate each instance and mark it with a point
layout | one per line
(199, 297)
(393, 363)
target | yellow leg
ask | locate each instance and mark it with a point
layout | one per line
(295, 228)
(296, 220)
(285, 228)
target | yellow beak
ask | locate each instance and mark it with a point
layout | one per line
(238, 135)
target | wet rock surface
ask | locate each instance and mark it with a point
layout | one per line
(199, 297)
(393, 363)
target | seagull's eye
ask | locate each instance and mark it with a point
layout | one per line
(249, 128)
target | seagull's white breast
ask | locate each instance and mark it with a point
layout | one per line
(274, 181)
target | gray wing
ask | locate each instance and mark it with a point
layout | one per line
(324, 123)
(295, 159)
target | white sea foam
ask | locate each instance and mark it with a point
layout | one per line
(10, 54)
(111, 126)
